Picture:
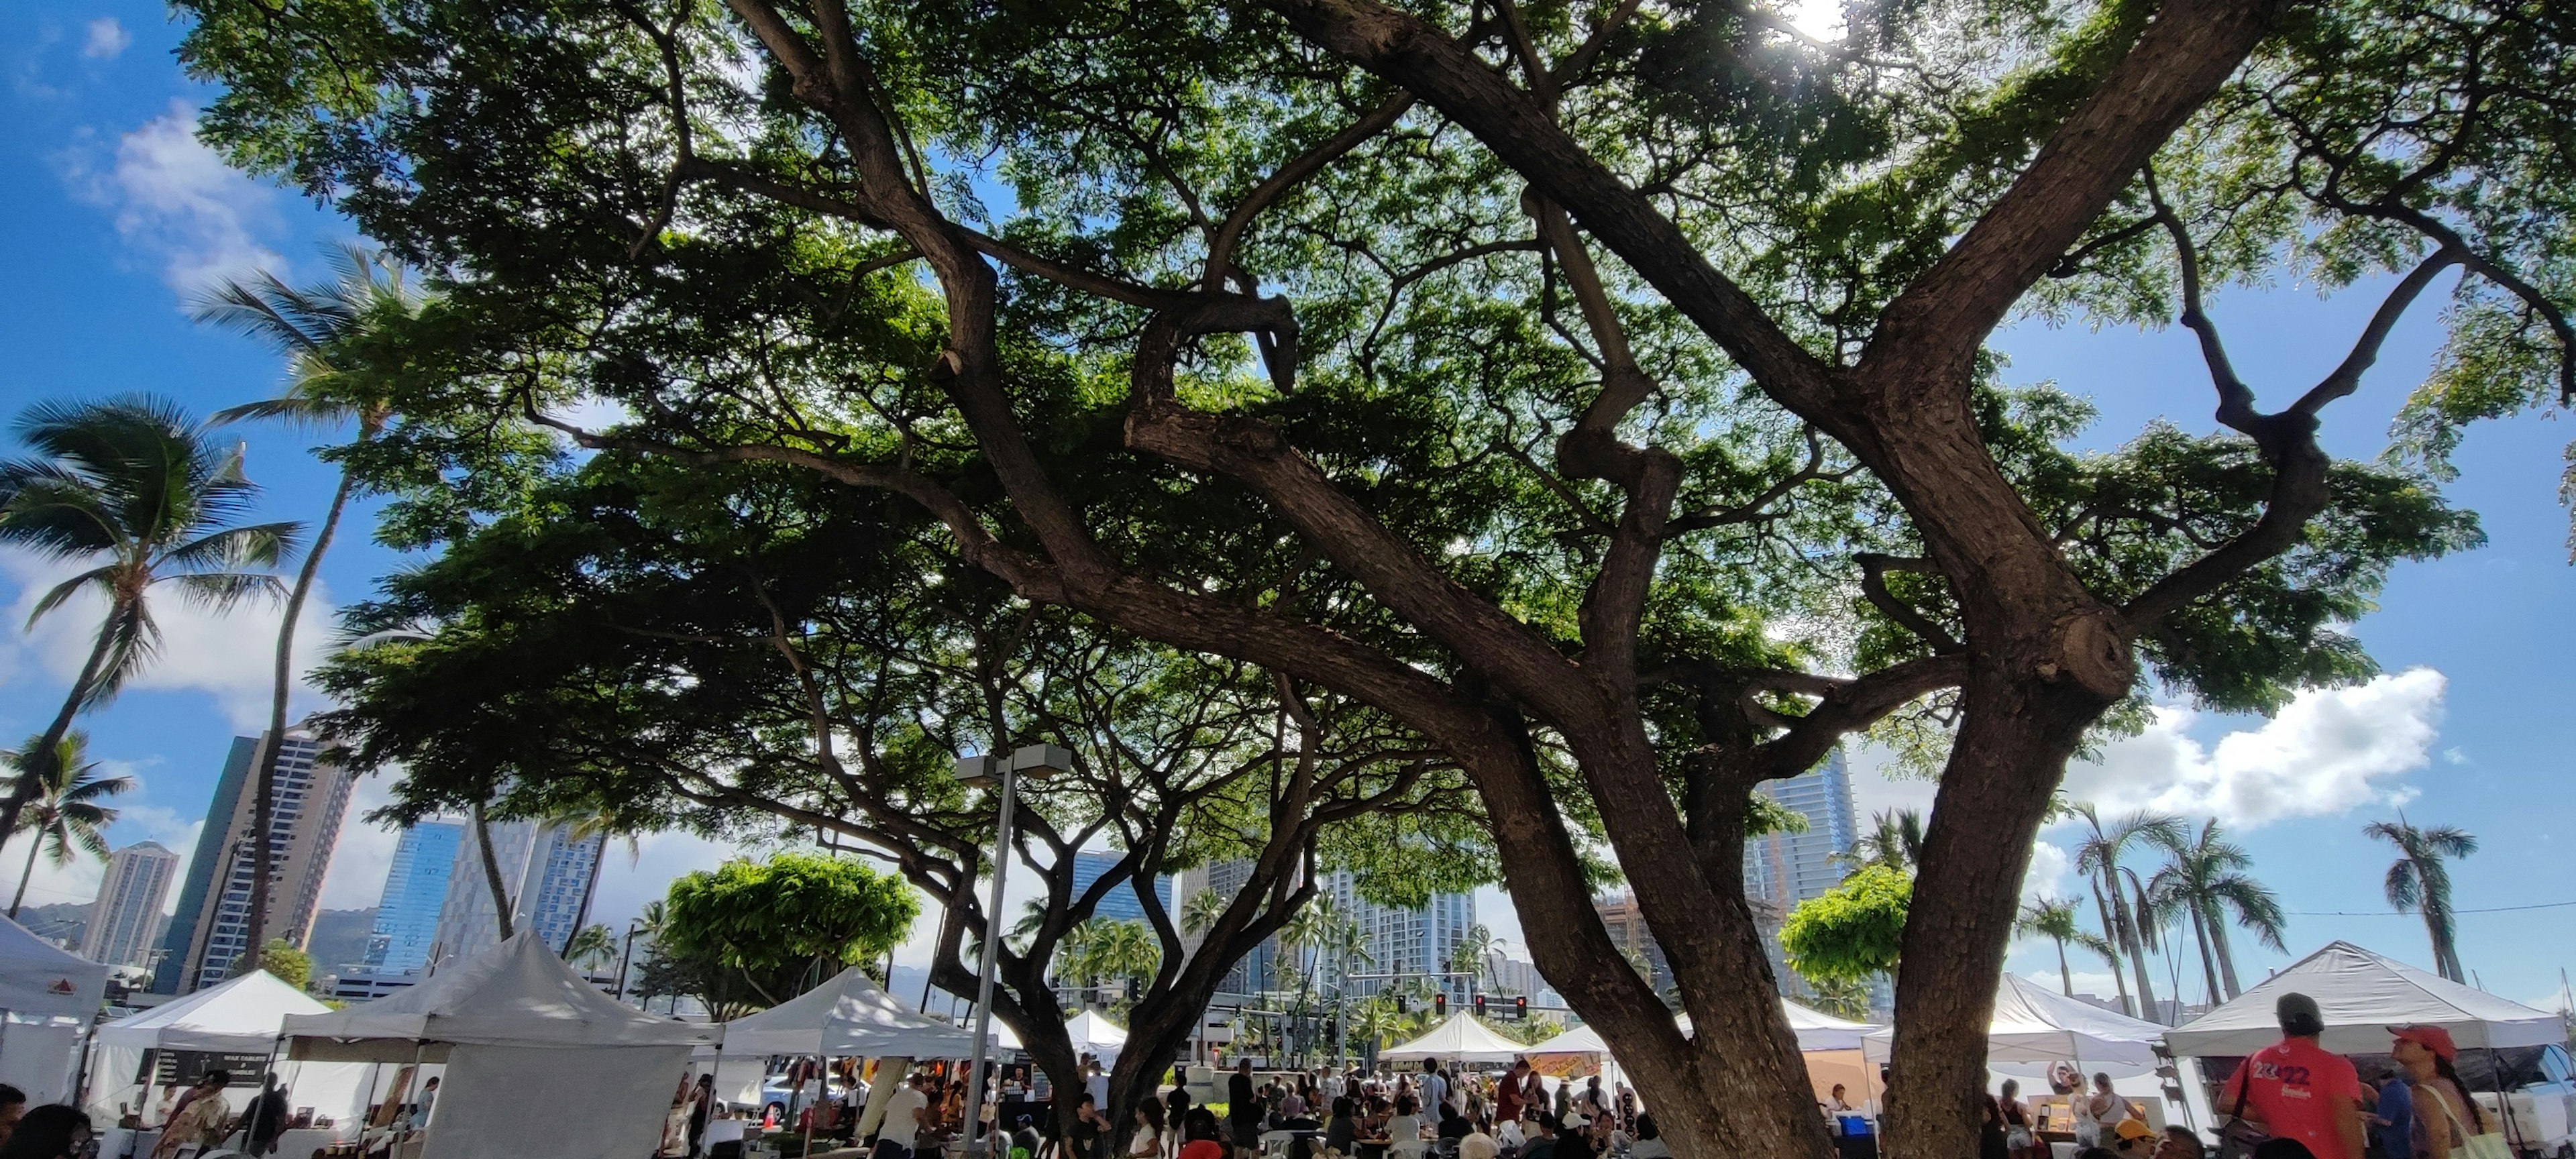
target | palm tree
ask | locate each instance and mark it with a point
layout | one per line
(2099, 856)
(132, 486)
(2420, 880)
(1846, 997)
(2207, 878)
(1895, 840)
(1124, 950)
(591, 944)
(321, 329)
(1474, 954)
(1305, 934)
(66, 811)
(1200, 910)
(2054, 919)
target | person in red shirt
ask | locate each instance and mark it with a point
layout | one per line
(2299, 1091)
(1507, 1096)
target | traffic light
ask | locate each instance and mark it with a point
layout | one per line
(1520, 1007)
(1480, 1006)
(1440, 1005)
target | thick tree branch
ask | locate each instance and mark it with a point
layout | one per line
(2186, 52)
(1229, 233)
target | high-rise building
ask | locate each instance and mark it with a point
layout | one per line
(1627, 925)
(1118, 904)
(1404, 941)
(1224, 879)
(548, 872)
(1787, 868)
(211, 930)
(415, 892)
(129, 905)
(1783, 869)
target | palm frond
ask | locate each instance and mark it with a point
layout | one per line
(103, 578)
(2404, 890)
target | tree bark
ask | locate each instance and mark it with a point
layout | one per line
(2200, 924)
(47, 748)
(35, 842)
(492, 871)
(264, 792)
(2226, 957)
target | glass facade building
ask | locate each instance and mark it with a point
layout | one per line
(406, 930)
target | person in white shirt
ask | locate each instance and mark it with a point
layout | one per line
(905, 1113)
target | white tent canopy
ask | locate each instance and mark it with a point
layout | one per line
(1091, 1033)
(2034, 1024)
(524, 1039)
(516, 994)
(1460, 1037)
(849, 1015)
(2361, 995)
(241, 1016)
(1816, 1030)
(38, 979)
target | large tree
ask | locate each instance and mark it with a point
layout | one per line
(1285, 333)
(656, 650)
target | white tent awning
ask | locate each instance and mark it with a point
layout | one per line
(517, 993)
(2361, 995)
(38, 979)
(849, 1015)
(1816, 1031)
(1460, 1037)
(1091, 1032)
(240, 1016)
(2034, 1024)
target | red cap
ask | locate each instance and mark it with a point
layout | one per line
(2432, 1038)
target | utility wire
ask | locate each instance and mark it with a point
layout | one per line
(2390, 913)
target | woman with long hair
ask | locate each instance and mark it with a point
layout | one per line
(48, 1132)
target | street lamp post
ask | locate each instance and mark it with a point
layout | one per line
(1039, 761)
(626, 956)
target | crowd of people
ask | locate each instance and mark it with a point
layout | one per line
(2297, 1100)
(1432, 1111)
(193, 1117)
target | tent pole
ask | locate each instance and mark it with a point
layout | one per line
(823, 1079)
(2504, 1098)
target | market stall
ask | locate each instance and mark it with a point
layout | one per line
(1832, 1047)
(524, 1041)
(847, 1017)
(1461, 1038)
(234, 1027)
(1091, 1032)
(2361, 994)
(48, 997)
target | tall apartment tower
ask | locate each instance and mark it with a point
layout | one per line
(211, 930)
(129, 905)
(547, 871)
(1404, 941)
(1783, 869)
(1224, 879)
(1119, 904)
(406, 929)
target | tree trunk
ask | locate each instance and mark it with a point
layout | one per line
(2013, 743)
(2200, 923)
(2133, 942)
(264, 792)
(2226, 955)
(492, 871)
(40, 756)
(35, 842)
(2065, 977)
(2111, 934)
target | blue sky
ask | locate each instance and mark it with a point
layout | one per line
(110, 214)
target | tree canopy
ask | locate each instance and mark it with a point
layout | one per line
(769, 930)
(1852, 931)
(1590, 399)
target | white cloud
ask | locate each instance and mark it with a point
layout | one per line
(106, 39)
(1875, 791)
(2051, 872)
(229, 655)
(177, 201)
(356, 878)
(2329, 752)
